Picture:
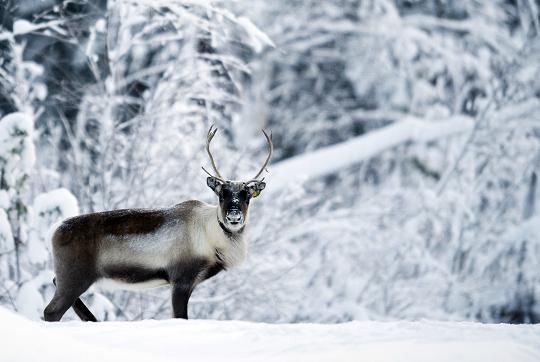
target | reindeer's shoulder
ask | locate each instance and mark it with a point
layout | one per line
(192, 208)
(190, 204)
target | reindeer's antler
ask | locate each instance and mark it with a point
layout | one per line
(211, 133)
(270, 150)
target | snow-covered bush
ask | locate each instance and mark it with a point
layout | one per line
(24, 227)
(47, 210)
(17, 157)
(25, 267)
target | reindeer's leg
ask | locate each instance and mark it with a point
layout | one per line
(61, 302)
(68, 290)
(180, 299)
(80, 309)
(83, 312)
(184, 278)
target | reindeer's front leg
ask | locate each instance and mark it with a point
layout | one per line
(184, 278)
(180, 297)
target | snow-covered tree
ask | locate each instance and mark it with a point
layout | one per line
(404, 183)
(17, 159)
(25, 266)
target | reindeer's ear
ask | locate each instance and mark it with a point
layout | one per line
(214, 184)
(255, 189)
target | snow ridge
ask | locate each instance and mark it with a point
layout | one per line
(210, 340)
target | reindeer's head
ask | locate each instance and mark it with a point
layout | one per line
(234, 196)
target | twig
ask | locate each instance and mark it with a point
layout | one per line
(450, 171)
(9, 297)
(447, 175)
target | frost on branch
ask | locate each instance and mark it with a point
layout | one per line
(6, 236)
(17, 158)
(17, 153)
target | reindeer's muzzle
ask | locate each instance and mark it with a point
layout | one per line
(234, 217)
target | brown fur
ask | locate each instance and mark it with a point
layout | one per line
(78, 240)
(136, 246)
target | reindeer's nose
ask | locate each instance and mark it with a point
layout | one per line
(234, 216)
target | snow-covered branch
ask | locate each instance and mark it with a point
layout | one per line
(334, 158)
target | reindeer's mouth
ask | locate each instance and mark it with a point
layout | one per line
(234, 217)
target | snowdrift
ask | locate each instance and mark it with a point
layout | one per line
(207, 340)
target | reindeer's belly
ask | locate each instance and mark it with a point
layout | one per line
(131, 277)
(116, 284)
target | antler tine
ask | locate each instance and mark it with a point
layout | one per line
(209, 174)
(210, 136)
(270, 150)
(253, 180)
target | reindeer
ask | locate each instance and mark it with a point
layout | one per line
(142, 248)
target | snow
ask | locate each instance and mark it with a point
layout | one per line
(416, 219)
(29, 300)
(210, 340)
(56, 200)
(47, 211)
(334, 158)
(6, 235)
(22, 26)
(258, 39)
(4, 199)
(101, 25)
(16, 131)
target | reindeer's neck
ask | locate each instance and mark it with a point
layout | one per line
(230, 246)
(230, 233)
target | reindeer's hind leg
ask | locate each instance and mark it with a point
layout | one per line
(74, 266)
(70, 284)
(80, 309)
(83, 312)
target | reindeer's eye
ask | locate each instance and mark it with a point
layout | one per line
(226, 194)
(244, 196)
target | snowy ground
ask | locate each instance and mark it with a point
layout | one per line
(203, 340)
